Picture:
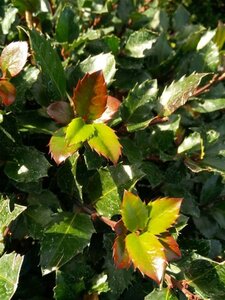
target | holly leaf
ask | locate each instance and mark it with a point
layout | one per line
(6, 217)
(112, 107)
(177, 94)
(58, 147)
(134, 212)
(61, 112)
(7, 92)
(163, 213)
(105, 142)
(13, 58)
(120, 254)
(10, 266)
(64, 239)
(147, 254)
(171, 247)
(90, 96)
(78, 131)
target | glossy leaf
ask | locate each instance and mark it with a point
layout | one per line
(103, 193)
(13, 58)
(6, 217)
(219, 37)
(171, 247)
(90, 96)
(105, 62)
(161, 294)
(7, 92)
(61, 112)
(134, 212)
(67, 29)
(112, 107)
(64, 239)
(27, 165)
(201, 271)
(10, 265)
(105, 142)
(120, 255)
(147, 254)
(178, 93)
(191, 143)
(139, 43)
(136, 109)
(163, 214)
(78, 131)
(58, 147)
(44, 53)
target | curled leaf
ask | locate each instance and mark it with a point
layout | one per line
(112, 107)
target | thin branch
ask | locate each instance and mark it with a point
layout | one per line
(182, 286)
(216, 78)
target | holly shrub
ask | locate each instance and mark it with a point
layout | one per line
(112, 157)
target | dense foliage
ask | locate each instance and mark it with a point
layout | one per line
(112, 150)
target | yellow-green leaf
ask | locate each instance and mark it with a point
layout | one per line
(105, 142)
(147, 254)
(58, 147)
(163, 214)
(78, 131)
(134, 212)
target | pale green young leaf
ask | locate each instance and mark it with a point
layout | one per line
(78, 131)
(134, 212)
(163, 214)
(147, 254)
(105, 142)
(58, 147)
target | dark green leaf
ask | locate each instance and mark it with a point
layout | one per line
(27, 165)
(103, 193)
(67, 28)
(136, 109)
(44, 53)
(63, 239)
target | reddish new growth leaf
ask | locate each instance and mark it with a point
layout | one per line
(112, 107)
(120, 254)
(90, 96)
(171, 247)
(61, 112)
(7, 92)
